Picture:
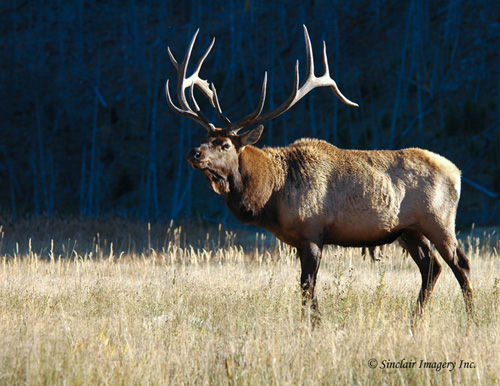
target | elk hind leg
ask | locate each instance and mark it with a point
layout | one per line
(419, 249)
(463, 277)
(460, 266)
(447, 246)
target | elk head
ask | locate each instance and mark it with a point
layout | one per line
(217, 157)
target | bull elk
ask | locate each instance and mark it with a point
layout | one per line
(311, 193)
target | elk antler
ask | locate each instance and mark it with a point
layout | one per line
(311, 82)
(183, 83)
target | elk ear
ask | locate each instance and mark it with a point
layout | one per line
(251, 136)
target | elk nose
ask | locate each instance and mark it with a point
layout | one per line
(194, 154)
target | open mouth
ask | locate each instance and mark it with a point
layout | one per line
(212, 175)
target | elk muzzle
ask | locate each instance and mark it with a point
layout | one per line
(195, 156)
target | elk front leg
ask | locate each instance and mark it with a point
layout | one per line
(310, 257)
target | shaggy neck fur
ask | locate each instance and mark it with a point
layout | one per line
(252, 185)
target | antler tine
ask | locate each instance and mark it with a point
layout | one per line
(334, 86)
(184, 82)
(197, 108)
(249, 118)
(325, 60)
(296, 79)
(201, 83)
(292, 99)
(187, 113)
(193, 100)
(172, 58)
(216, 103)
(202, 59)
(309, 54)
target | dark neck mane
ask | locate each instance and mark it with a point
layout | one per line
(252, 186)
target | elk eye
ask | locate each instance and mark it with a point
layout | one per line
(225, 146)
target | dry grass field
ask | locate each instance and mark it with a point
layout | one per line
(117, 302)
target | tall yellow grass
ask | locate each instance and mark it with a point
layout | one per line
(159, 309)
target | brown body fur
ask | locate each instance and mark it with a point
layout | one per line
(346, 197)
(312, 193)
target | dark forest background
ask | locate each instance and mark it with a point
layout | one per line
(85, 128)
